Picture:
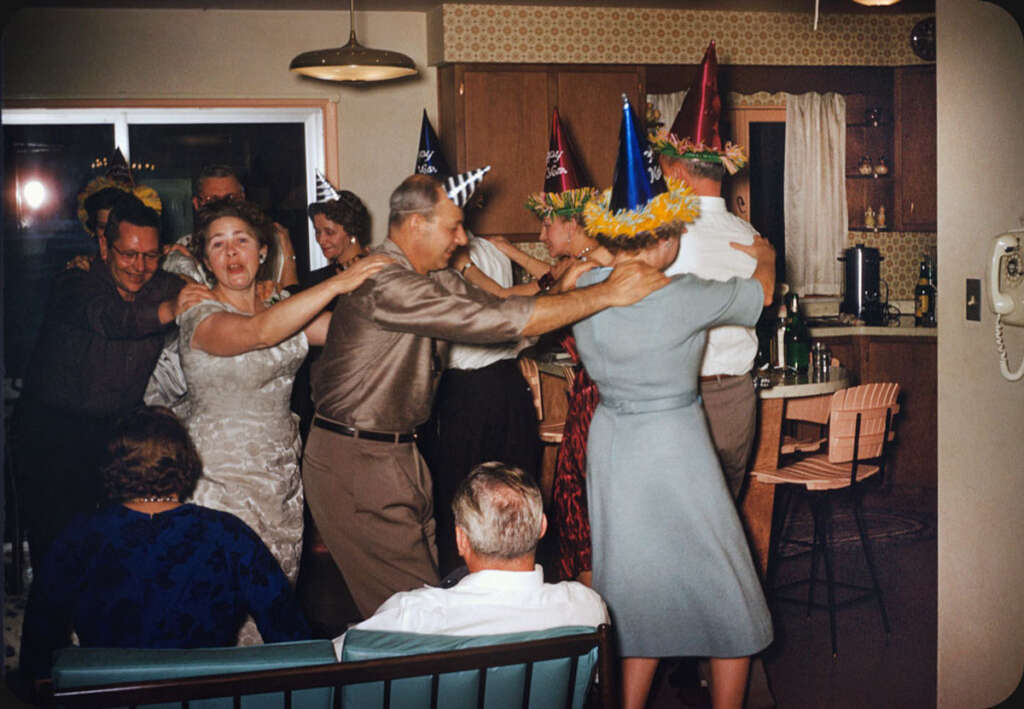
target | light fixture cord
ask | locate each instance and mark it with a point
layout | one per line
(352, 20)
(815, 15)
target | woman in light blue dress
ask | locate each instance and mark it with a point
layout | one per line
(668, 551)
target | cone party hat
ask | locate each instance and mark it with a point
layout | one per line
(694, 133)
(461, 187)
(429, 158)
(641, 202)
(325, 191)
(565, 189)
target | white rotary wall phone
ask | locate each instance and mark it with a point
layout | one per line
(1006, 286)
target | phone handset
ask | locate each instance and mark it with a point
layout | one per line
(1006, 287)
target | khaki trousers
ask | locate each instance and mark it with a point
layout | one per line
(372, 503)
(730, 403)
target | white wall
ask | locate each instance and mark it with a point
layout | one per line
(216, 54)
(981, 416)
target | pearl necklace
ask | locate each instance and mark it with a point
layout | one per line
(167, 498)
(582, 255)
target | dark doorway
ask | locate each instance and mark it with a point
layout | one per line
(767, 165)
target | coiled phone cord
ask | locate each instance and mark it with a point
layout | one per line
(1004, 359)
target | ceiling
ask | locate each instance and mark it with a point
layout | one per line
(825, 6)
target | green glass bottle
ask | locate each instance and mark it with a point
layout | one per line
(797, 338)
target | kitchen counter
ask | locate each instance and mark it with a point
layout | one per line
(905, 328)
(872, 331)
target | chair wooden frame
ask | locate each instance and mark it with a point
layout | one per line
(819, 479)
(550, 432)
(340, 674)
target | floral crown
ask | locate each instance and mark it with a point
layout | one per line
(560, 204)
(733, 157)
(678, 203)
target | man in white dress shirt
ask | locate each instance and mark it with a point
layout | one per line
(499, 519)
(725, 383)
(693, 151)
(483, 410)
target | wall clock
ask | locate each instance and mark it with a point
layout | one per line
(922, 39)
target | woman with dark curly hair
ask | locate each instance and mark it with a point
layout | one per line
(342, 227)
(341, 223)
(239, 355)
(149, 570)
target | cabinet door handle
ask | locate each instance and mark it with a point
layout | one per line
(911, 206)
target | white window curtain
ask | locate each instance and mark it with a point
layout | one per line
(814, 191)
(667, 105)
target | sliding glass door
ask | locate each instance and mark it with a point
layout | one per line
(51, 154)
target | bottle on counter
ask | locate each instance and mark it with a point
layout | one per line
(778, 344)
(797, 337)
(924, 296)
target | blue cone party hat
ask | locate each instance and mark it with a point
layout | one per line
(641, 201)
(325, 191)
(461, 187)
(638, 177)
(429, 158)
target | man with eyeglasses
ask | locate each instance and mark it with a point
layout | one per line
(216, 183)
(103, 330)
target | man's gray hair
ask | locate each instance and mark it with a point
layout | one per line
(417, 194)
(212, 171)
(499, 507)
(702, 168)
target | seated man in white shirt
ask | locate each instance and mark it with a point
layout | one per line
(499, 519)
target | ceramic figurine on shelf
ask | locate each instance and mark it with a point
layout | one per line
(869, 218)
(882, 168)
(880, 219)
(865, 165)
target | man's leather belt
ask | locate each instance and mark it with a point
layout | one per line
(721, 377)
(359, 433)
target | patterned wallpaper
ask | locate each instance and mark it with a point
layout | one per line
(901, 257)
(598, 35)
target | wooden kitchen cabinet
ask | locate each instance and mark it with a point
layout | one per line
(500, 115)
(911, 362)
(871, 140)
(914, 106)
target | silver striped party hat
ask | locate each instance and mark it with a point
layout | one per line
(325, 192)
(461, 187)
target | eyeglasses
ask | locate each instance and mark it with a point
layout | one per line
(205, 199)
(150, 257)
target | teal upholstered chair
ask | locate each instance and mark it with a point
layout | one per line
(552, 668)
(561, 682)
(80, 667)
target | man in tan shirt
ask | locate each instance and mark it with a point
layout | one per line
(367, 486)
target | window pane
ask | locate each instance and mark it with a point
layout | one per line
(269, 157)
(45, 167)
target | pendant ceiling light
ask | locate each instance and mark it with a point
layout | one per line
(353, 63)
(876, 3)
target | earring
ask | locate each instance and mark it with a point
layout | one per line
(263, 258)
(352, 239)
